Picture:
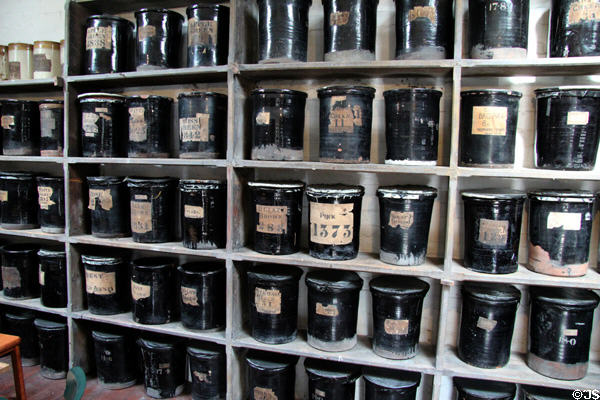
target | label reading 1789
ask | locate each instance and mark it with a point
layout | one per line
(331, 223)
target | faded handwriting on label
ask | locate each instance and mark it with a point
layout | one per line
(194, 129)
(141, 216)
(202, 32)
(264, 394)
(100, 197)
(422, 12)
(584, 10)
(402, 219)
(486, 324)
(268, 301)
(492, 232)
(339, 18)
(45, 197)
(263, 118)
(189, 296)
(578, 117)
(342, 116)
(396, 326)
(145, 32)
(137, 125)
(88, 122)
(99, 37)
(193, 212)
(141, 197)
(100, 283)
(7, 121)
(489, 120)
(41, 63)
(331, 223)
(203, 376)
(47, 123)
(14, 70)
(139, 291)
(11, 278)
(271, 219)
(329, 310)
(564, 220)
(3, 195)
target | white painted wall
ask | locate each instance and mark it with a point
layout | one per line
(30, 20)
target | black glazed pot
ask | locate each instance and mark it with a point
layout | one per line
(115, 360)
(103, 124)
(208, 371)
(106, 284)
(203, 213)
(22, 324)
(51, 201)
(53, 277)
(386, 384)
(149, 126)
(54, 348)
(20, 273)
(202, 125)
(20, 128)
(108, 42)
(574, 29)
(207, 34)
(152, 213)
(270, 376)
(152, 286)
(109, 206)
(18, 201)
(477, 389)
(51, 127)
(164, 368)
(331, 380)
(158, 38)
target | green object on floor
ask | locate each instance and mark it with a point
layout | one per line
(76, 382)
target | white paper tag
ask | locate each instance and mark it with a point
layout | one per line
(566, 221)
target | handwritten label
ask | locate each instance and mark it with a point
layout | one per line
(100, 283)
(44, 197)
(189, 296)
(7, 121)
(100, 197)
(14, 70)
(396, 326)
(492, 232)
(141, 197)
(88, 122)
(99, 37)
(145, 32)
(486, 324)
(570, 332)
(141, 216)
(329, 310)
(41, 63)
(203, 376)
(194, 129)
(268, 301)
(339, 18)
(137, 125)
(47, 123)
(11, 278)
(565, 221)
(271, 219)
(139, 291)
(320, 394)
(193, 212)
(422, 12)
(578, 117)
(264, 394)
(402, 219)
(584, 10)
(342, 116)
(202, 32)
(263, 118)
(331, 223)
(3, 195)
(489, 120)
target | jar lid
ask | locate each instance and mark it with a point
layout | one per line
(154, 262)
(494, 194)
(334, 190)
(334, 279)
(49, 178)
(491, 91)
(147, 97)
(566, 297)
(100, 260)
(483, 389)
(201, 268)
(51, 101)
(392, 379)
(206, 6)
(20, 316)
(53, 253)
(159, 11)
(109, 17)
(204, 352)
(272, 362)
(148, 182)
(331, 370)
(407, 192)
(346, 90)
(188, 185)
(46, 325)
(21, 176)
(49, 42)
(274, 273)
(545, 393)
(154, 345)
(105, 179)
(396, 285)
(21, 46)
(294, 186)
(278, 92)
(570, 91)
(201, 94)
(20, 248)
(106, 336)
(98, 96)
(405, 91)
(496, 292)
(566, 195)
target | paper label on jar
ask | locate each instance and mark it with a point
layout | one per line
(263, 118)
(101, 283)
(342, 116)
(268, 301)
(489, 120)
(101, 109)
(137, 125)
(402, 219)
(272, 219)
(202, 32)
(194, 129)
(44, 197)
(139, 291)
(320, 394)
(42, 277)
(486, 324)
(145, 32)
(264, 394)
(492, 232)
(99, 37)
(203, 376)
(396, 326)
(578, 118)
(331, 223)
(88, 121)
(141, 216)
(7, 121)
(141, 197)
(564, 220)
(11, 278)
(100, 197)
(189, 296)
(193, 212)
(3, 195)
(570, 332)
(14, 70)
(422, 12)
(329, 310)
(339, 18)
(47, 123)
(41, 63)
(584, 10)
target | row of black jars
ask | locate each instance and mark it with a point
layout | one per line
(477, 389)
(28, 202)
(110, 45)
(273, 376)
(567, 128)
(29, 272)
(560, 328)
(334, 220)
(345, 120)
(113, 125)
(332, 304)
(32, 128)
(147, 211)
(560, 231)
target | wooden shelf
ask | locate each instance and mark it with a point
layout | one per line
(32, 304)
(528, 173)
(31, 85)
(32, 159)
(531, 67)
(33, 233)
(148, 161)
(361, 354)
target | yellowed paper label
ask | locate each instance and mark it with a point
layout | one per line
(578, 117)
(264, 394)
(44, 197)
(42, 277)
(140, 197)
(193, 212)
(319, 393)
(584, 10)
(492, 232)
(47, 123)
(145, 32)
(339, 18)
(403, 219)
(3, 195)
(101, 110)
(570, 332)
(88, 121)
(423, 12)
(486, 324)
(141, 216)
(194, 129)
(272, 219)
(268, 301)
(263, 118)
(489, 120)
(99, 37)
(14, 70)
(203, 376)
(41, 63)
(565, 221)
(331, 223)
(137, 125)
(139, 291)
(342, 116)
(329, 310)
(101, 283)
(202, 32)
(11, 278)
(396, 326)
(189, 296)
(100, 197)
(7, 121)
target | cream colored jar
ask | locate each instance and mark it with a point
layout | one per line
(20, 61)
(3, 62)
(46, 59)
(63, 55)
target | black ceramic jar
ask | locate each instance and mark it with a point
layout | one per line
(54, 348)
(477, 389)
(202, 295)
(109, 206)
(51, 201)
(386, 384)
(203, 213)
(331, 380)
(158, 38)
(202, 125)
(164, 367)
(116, 358)
(51, 127)
(270, 376)
(149, 126)
(208, 371)
(207, 34)
(106, 284)
(18, 201)
(108, 42)
(20, 273)
(53, 277)
(20, 128)
(152, 211)
(103, 124)
(152, 288)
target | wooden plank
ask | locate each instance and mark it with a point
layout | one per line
(31, 85)
(149, 161)
(33, 233)
(31, 159)
(32, 304)
(531, 67)
(529, 173)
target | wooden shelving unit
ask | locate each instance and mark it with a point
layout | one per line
(443, 269)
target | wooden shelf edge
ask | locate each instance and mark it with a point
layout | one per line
(32, 84)
(33, 159)
(34, 233)
(219, 163)
(527, 173)
(32, 304)
(154, 76)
